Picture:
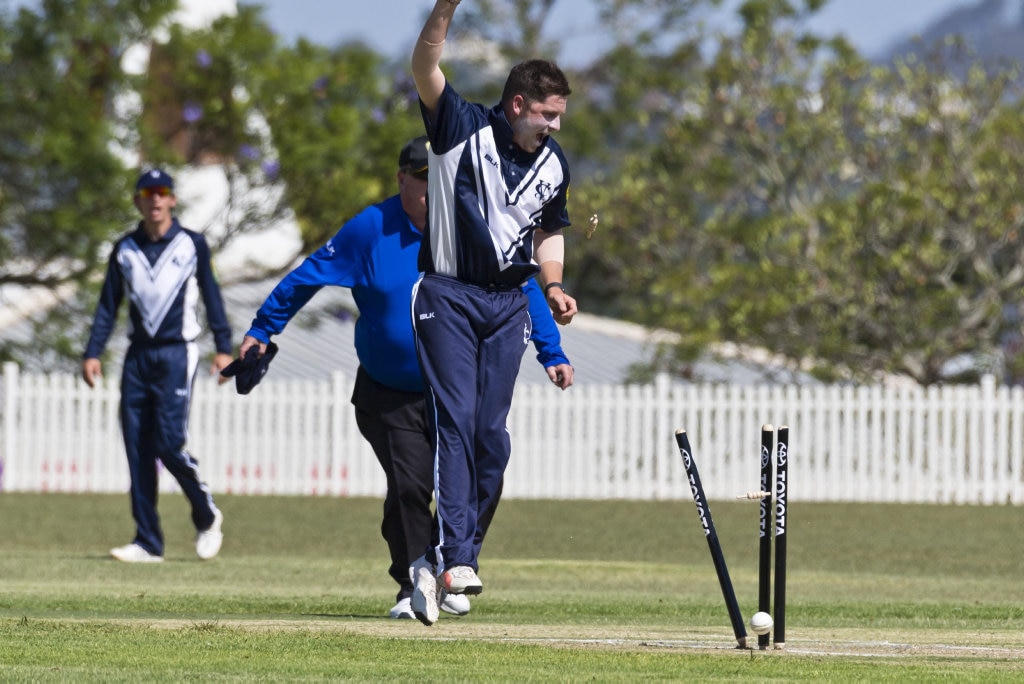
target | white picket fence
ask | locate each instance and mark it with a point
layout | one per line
(957, 444)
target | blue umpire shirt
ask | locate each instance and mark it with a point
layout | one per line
(375, 255)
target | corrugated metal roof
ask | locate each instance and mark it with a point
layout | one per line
(319, 342)
(319, 339)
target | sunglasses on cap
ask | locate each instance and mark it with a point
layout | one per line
(160, 190)
(420, 173)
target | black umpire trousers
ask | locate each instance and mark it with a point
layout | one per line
(395, 424)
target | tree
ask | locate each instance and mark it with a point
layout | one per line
(302, 130)
(937, 245)
(197, 111)
(856, 220)
(766, 187)
(337, 119)
(61, 184)
(63, 187)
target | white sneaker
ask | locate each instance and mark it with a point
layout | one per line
(461, 579)
(209, 540)
(133, 553)
(425, 591)
(456, 604)
(403, 610)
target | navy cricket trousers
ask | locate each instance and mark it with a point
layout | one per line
(156, 392)
(470, 342)
(395, 424)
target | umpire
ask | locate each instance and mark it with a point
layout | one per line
(163, 269)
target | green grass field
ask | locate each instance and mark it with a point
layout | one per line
(574, 591)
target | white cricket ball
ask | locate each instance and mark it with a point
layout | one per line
(761, 623)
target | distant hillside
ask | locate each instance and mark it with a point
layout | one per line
(994, 30)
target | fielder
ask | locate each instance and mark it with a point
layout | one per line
(164, 270)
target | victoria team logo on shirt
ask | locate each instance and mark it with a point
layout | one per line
(544, 191)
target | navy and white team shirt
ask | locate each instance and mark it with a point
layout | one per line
(374, 254)
(486, 195)
(164, 281)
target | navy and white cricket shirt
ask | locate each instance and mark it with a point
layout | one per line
(482, 232)
(163, 281)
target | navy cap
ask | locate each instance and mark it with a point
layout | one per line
(413, 158)
(154, 178)
(250, 369)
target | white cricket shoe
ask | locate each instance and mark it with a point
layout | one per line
(133, 553)
(208, 541)
(403, 610)
(456, 604)
(425, 591)
(461, 579)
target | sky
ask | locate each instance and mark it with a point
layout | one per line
(871, 25)
(391, 26)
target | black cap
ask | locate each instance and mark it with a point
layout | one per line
(413, 158)
(250, 369)
(154, 178)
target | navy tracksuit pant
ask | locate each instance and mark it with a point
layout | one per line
(156, 392)
(395, 424)
(470, 341)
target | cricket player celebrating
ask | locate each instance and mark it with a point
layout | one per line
(496, 199)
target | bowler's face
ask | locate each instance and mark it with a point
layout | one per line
(535, 121)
